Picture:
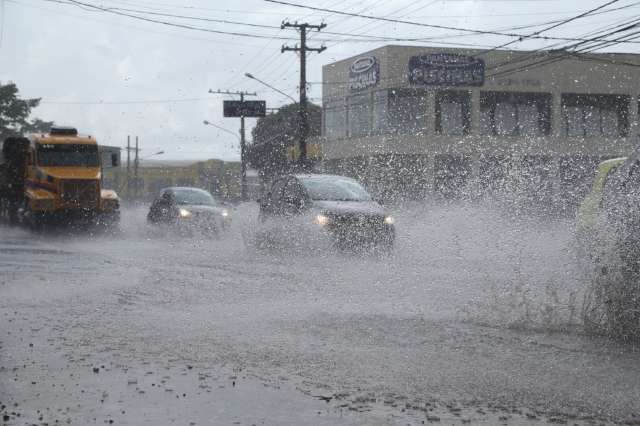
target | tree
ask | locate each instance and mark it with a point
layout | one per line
(14, 113)
(274, 133)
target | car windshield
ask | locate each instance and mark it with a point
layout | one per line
(194, 197)
(63, 155)
(333, 188)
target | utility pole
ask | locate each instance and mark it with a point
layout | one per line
(243, 158)
(302, 107)
(128, 166)
(136, 163)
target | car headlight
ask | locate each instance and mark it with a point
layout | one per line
(184, 213)
(225, 213)
(321, 219)
(389, 220)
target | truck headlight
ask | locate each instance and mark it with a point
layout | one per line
(389, 220)
(110, 204)
(225, 213)
(184, 213)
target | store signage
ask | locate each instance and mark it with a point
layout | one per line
(446, 69)
(244, 108)
(364, 73)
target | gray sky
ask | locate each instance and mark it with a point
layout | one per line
(111, 75)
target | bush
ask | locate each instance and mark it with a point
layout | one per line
(612, 303)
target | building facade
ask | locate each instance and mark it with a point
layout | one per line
(414, 121)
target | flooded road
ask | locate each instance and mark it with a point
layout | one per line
(473, 319)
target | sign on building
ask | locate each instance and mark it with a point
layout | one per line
(446, 69)
(244, 108)
(363, 73)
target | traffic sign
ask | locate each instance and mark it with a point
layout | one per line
(244, 108)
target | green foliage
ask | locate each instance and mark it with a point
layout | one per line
(14, 113)
(274, 133)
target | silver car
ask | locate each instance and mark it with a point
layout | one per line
(189, 209)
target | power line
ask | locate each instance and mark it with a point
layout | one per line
(193, 18)
(170, 24)
(131, 102)
(450, 36)
(360, 38)
(364, 37)
(182, 35)
(268, 62)
(158, 5)
(379, 25)
(149, 101)
(564, 55)
(555, 25)
(399, 21)
(596, 34)
(626, 26)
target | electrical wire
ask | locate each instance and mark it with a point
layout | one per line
(564, 55)
(150, 101)
(171, 24)
(601, 32)
(555, 25)
(399, 21)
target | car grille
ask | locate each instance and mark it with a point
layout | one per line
(80, 193)
(361, 223)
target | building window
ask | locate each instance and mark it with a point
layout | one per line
(515, 113)
(359, 114)
(335, 119)
(595, 115)
(407, 111)
(453, 112)
(380, 111)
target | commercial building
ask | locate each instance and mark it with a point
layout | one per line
(416, 121)
(221, 178)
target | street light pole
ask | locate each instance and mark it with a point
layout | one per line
(243, 160)
(208, 123)
(253, 77)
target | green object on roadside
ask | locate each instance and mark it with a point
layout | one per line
(589, 209)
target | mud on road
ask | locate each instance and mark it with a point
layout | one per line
(472, 320)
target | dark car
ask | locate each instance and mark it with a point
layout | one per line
(302, 207)
(189, 209)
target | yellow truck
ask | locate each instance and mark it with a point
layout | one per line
(55, 178)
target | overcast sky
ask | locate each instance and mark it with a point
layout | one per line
(112, 76)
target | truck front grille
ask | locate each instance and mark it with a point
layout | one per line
(80, 193)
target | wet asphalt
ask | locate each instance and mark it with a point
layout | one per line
(473, 319)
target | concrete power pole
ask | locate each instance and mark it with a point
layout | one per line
(128, 166)
(302, 108)
(136, 163)
(243, 156)
(243, 159)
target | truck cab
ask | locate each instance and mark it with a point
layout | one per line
(56, 177)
